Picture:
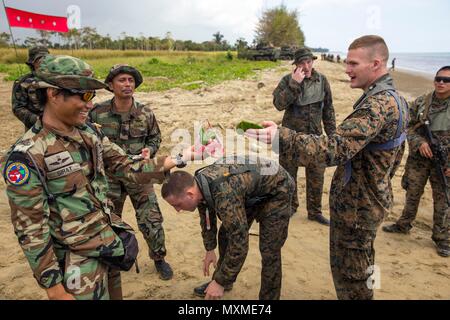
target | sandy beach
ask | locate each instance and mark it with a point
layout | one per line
(409, 265)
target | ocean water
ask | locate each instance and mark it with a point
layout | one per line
(427, 63)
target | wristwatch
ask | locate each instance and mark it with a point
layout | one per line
(179, 162)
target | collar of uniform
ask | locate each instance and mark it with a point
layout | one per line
(386, 78)
(314, 75)
(133, 110)
(75, 137)
(440, 102)
(38, 125)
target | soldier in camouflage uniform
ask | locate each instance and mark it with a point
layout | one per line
(237, 191)
(367, 148)
(435, 107)
(25, 103)
(56, 185)
(308, 102)
(133, 127)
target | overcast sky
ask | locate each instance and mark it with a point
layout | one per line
(406, 25)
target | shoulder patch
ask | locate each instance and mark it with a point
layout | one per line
(17, 173)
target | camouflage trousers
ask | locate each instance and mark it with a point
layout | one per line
(148, 214)
(314, 186)
(417, 171)
(273, 232)
(86, 277)
(352, 257)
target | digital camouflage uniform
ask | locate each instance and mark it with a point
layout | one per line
(361, 191)
(56, 185)
(418, 169)
(240, 194)
(25, 103)
(307, 104)
(134, 131)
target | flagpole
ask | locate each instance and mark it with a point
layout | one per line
(12, 37)
(10, 31)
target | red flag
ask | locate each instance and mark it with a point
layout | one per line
(25, 19)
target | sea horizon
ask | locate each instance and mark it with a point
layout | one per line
(425, 63)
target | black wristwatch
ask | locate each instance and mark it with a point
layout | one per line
(179, 162)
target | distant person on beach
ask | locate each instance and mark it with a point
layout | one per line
(25, 103)
(237, 191)
(393, 64)
(434, 107)
(133, 126)
(306, 99)
(367, 148)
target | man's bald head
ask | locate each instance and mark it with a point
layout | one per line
(375, 45)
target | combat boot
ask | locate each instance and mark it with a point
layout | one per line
(320, 219)
(164, 269)
(394, 228)
(443, 250)
(200, 290)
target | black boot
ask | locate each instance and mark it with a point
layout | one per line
(200, 290)
(443, 250)
(164, 270)
(394, 228)
(320, 219)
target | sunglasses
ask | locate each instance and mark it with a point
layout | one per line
(86, 96)
(443, 79)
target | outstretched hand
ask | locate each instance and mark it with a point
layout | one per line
(265, 135)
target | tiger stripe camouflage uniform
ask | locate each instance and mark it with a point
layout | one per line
(418, 169)
(25, 103)
(361, 191)
(232, 192)
(307, 105)
(134, 131)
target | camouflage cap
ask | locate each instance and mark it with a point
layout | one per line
(35, 53)
(303, 53)
(68, 73)
(124, 68)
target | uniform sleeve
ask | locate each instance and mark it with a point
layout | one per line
(328, 116)
(415, 138)
(351, 136)
(20, 101)
(209, 236)
(153, 139)
(93, 114)
(286, 93)
(231, 206)
(30, 215)
(122, 167)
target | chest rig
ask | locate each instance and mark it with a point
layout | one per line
(400, 135)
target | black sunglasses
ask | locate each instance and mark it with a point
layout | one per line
(443, 79)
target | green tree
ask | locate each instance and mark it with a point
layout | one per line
(280, 27)
(4, 39)
(218, 37)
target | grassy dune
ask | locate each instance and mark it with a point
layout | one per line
(162, 70)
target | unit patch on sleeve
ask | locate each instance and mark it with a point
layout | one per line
(17, 173)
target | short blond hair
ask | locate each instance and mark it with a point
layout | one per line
(376, 45)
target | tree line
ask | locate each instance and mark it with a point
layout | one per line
(277, 27)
